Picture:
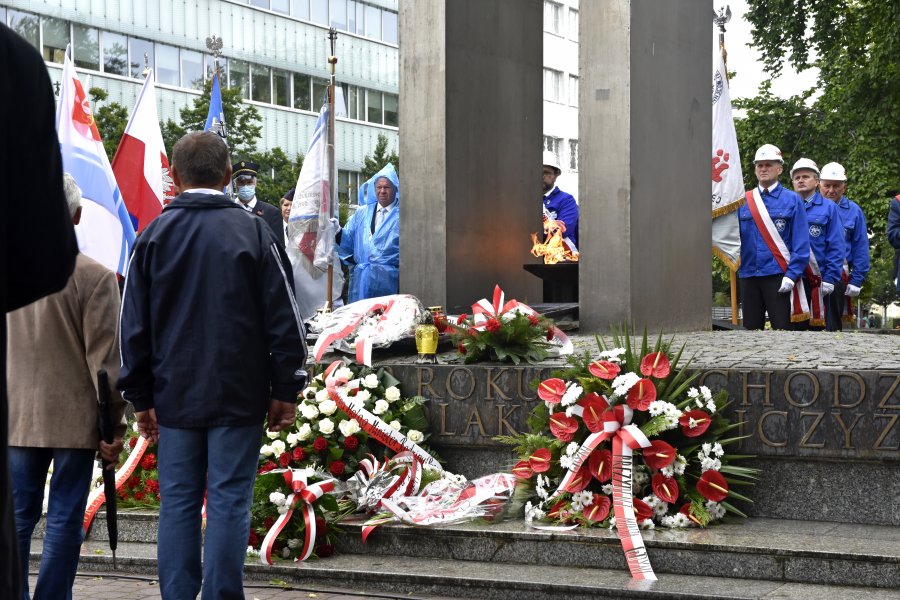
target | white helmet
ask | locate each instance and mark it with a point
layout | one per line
(834, 171)
(768, 152)
(805, 163)
(550, 160)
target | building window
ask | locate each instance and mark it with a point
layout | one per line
(262, 83)
(320, 91)
(56, 37)
(360, 19)
(280, 94)
(553, 17)
(573, 90)
(351, 16)
(86, 47)
(389, 27)
(26, 25)
(282, 6)
(239, 77)
(552, 85)
(373, 107)
(338, 14)
(209, 65)
(318, 11)
(573, 24)
(391, 110)
(300, 9)
(348, 185)
(167, 60)
(115, 53)
(3, 15)
(191, 69)
(301, 91)
(553, 144)
(351, 99)
(573, 155)
(141, 52)
(373, 22)
(260, 3)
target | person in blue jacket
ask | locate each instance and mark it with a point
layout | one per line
(369, 244)
(826, 244)
(856, 235)
(765, 286)
(893, 233)
(558, 205)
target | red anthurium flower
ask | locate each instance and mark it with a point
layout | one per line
(641, 394)
(701, 423)
(659, 454)
(599, 508)
(552, 390)
(563, 427)
(686, 511)
(522, 470)
(655, 364)
(604, 369)
(642, 510)
(556, 510)
(540, 460)
(712, 486)
(600, 464)
(593, 407)
(665, 488)
(580, 481)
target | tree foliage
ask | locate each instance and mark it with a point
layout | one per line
(111, 119)
(379, 158)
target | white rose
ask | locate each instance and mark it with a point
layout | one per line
(292, 439)
(328, 407)
(304, 432)
(293, 543)
(266, 450)
(322, 395)
(363, 395)
(278, 447)
(343, 373)
(309, 411)
(285, 552)
(273, 435)
(395, 425)
(326, 426)
(348, 428)
(277, 498)
(381, 407)
(392, 394)
(371, 380)
(309, 393)
(415, 435)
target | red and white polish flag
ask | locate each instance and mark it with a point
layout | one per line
(140, 163)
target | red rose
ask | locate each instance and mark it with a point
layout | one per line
(440, 321)
(122, 494)
(492, 325)
(321, 527)
(267, 524)
(461, 319)
(324, 550)
(533, 320)
(132, 442)
(320, 445)
(133, 482)
(267, 466)
(337, 468)
(139, 496)
(152, 485)
(299, 454)
(351, 443)
(148, 462)
(284, 460)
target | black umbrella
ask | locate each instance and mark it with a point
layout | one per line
(107, 431)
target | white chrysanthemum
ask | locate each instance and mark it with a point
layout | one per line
(349, 427)
(292, 439)
(415, 435)
(285, 552)
(251, 551)
(647, 524)
(571, 395)
(607, 489)
(273, 435)
(656, 408)
(624, 382)
(381, 407)
(370, 380)
(277, 498)
(541, 481)
(668, 471)
(682, 520)
(533, 512)
(706, 449)
(322, 395)
(651, 500)
(309, 411)
(266, 450)
(363, 395)
(572, 448)
(716, 510)
(392, 394)
(293, 543)
(704, 391)
(661, 509)
(303, 432)
(639, 478)
(710, 464)
(570, 411)
(343, 373)
(717, 449)
(541, 493)
(278, 447)
(711, 407)
(693, 393)
(395, 425)
(613, 356)
(679, 464)
(326, 426)
(585, 498)
(328, 407)
(565, 461)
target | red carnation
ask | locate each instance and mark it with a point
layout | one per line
(600, 465)
(133, 482)
(533, 320)
(492, 325)
(149, 461)
(324, 550)
(267, 466)
(659, 454)
(642, 510)
(284, 460)
(641, 394)
(522, 470)
(712, 486)
(351, 443)
(539, 461)
(132, 442)
(604, 369)
(551, 390)
(320, 445)
(655, 364)
(440, 322)
(599, 508)
(701, 419)
(563, 427)
(337, 468)
(152, 485)
(299, 454)
(665, 488)
(461, 319)
(550, 334)
(139, 496)
(593, 406)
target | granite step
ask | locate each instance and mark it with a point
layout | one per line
(758, 548)
(405, 576)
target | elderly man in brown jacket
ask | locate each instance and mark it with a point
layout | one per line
(56, 346)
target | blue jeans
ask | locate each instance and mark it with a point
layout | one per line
(223, 461)
(69, 487)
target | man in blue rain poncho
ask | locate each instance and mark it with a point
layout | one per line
(369, 244)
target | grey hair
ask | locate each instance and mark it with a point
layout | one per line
(73, 193)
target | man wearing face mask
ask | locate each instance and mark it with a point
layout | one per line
(245, 190)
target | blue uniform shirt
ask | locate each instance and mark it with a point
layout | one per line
(856, 237)
(561, 206)
(893, 228)
(786, 210)
(826, 236)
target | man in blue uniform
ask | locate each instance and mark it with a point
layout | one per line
(774, 246)
(856, 235)
(822, 279)
(893, 233)
(558, 205)
(369, 244)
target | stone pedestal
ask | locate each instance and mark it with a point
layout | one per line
(644, 170)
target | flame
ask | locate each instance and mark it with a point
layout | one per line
(553, 249)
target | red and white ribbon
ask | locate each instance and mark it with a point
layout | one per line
(303, 495)
(625, 437)
(845, 277)
(363, 346)
(483, 310)
(98, 496)
(814, 275)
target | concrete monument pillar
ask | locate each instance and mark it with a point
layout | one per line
(644, 181)
(470, 142)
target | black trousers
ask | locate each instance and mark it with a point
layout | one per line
(760, 295)
(835, 304)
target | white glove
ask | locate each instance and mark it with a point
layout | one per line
(827, 288)
(787, 285)
(852, 290)
(335, 223)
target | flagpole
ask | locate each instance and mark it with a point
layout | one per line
(332, 60)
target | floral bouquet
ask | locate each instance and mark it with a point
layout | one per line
(626, 431)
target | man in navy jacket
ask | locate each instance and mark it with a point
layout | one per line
(211, 341)
(893, 233)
